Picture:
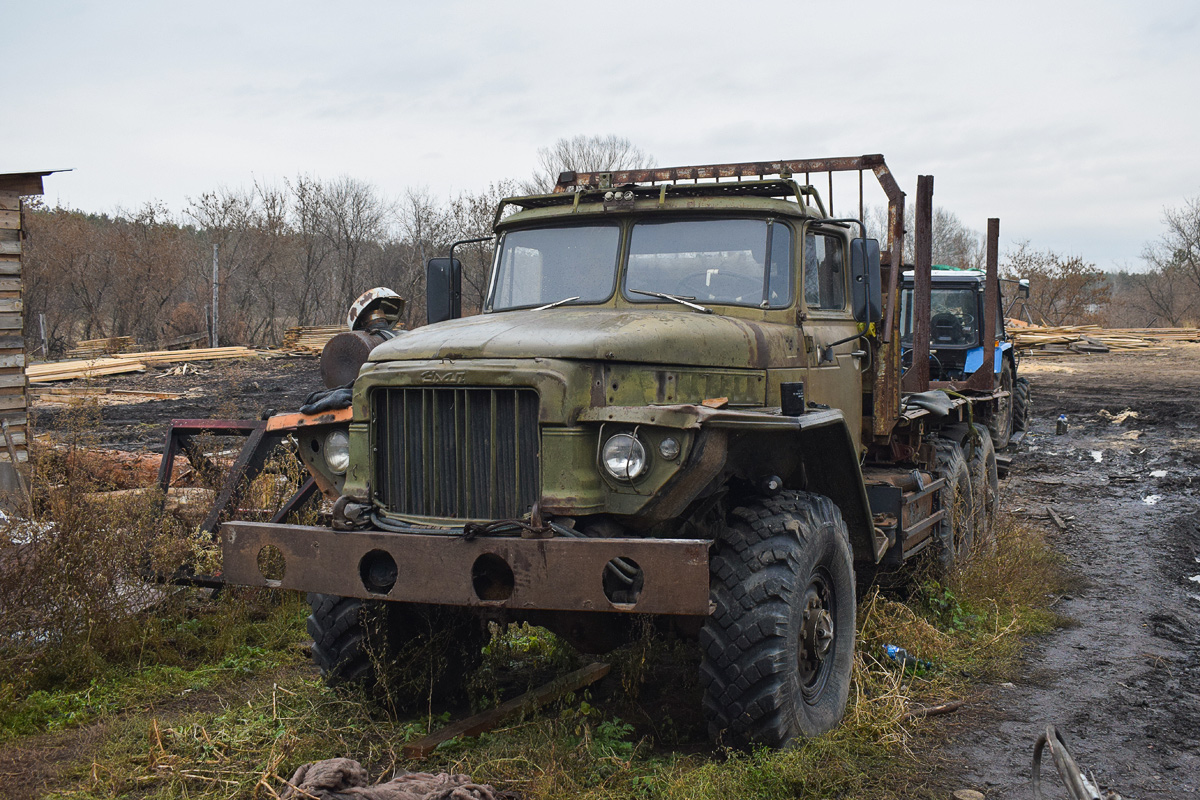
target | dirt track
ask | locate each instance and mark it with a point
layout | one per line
(1123, 684)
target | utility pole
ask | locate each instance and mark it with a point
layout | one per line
(216, 286)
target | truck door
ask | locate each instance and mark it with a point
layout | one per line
(836, 381)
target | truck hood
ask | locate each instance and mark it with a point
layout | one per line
(655, 336)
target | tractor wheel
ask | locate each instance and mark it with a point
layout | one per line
(955, 534)
(406, 655)
(1022, 405)
(1000, 422)
(777, 651)
(985, 480)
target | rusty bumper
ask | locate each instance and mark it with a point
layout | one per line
(561, 574)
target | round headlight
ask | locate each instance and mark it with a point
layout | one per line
(669, 449)
(624, 457)
(337, 451)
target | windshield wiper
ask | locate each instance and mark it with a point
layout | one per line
(683, 301)
(556, 303)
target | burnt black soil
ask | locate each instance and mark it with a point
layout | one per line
(233, 389)
(1123, 682)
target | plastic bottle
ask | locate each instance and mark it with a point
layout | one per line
(1061, 428)
(905, 659)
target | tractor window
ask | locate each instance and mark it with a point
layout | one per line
(824, 276)
(952, 318)
(744, 262)
(547, 265)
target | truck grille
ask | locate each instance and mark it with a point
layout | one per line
(456, 452)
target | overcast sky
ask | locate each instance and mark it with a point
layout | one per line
(1074, 122)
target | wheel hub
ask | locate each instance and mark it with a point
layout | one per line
(816, 634)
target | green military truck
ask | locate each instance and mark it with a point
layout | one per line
(683, 400)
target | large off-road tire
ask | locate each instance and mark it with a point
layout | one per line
(406, 655)
(980, 454)
(778, 649)
(1022, 405)
(1000, 421)
(954, 535)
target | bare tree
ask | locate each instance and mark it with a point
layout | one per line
(954, 244)
(583, 154)
(1065, 290)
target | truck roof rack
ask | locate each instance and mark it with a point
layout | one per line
(757, 188)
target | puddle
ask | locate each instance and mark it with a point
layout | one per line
(1097, 456)
(1158, 473)
(1151, 499)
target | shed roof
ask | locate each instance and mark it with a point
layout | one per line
(26, 183)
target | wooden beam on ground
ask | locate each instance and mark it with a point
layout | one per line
(481, 723)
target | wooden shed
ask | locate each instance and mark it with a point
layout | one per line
(13, 398)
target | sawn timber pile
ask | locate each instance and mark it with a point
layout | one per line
(310, 339)
(1083, 339)
(129, 362)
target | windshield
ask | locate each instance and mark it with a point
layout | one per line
(952, 321)
(728, 261)
(549, 265)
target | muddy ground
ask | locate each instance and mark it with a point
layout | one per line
(1122, 681)
(233, 389)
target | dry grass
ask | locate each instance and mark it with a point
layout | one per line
(266, 712)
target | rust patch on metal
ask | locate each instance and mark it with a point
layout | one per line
(562, 574)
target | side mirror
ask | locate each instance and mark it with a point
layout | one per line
(443, 289)
(866, 292)
(1023, 287)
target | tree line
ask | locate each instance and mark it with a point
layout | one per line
(300, 252)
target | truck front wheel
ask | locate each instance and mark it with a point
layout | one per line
(406, 655)
(778, 649)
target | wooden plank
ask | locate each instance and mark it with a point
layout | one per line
(10, 306)
(12, 341)
(480, 723)
(10, 201)
(12, 402)
(11, 294)
(12, 380)
(10, 265)
(11, 322)
(10, 246)
(10, 219)
(17, 419)
(26, 183)
(17, 360)
(22, 456)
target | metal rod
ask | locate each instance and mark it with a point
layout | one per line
(917, 378)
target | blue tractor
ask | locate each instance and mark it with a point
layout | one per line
(956, 346)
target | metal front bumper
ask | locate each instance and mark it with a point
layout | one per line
(560, 574)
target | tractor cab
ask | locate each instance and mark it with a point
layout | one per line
(955, 323)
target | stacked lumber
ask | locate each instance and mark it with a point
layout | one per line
(310, 339)
(71, 370)
(199, 354)
(93, 348)
(129, 362)
(1083, 339)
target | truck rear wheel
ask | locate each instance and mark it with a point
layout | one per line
(778, 649)
(1000, 422)
(1022, 405)
(406, 654)
(985, 479)
(956, 532)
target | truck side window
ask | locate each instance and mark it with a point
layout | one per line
(824, 276)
